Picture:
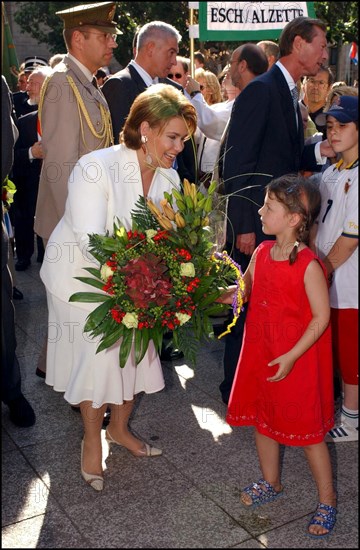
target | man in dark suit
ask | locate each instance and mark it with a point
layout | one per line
(28, 156)
(155, 54)
(21, 412)
(266, 140)
(21, 102)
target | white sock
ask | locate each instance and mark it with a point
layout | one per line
(351, 417)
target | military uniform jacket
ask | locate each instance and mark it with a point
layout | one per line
(66, 136)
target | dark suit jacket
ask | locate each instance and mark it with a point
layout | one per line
(10, 368)
(21, 105)
(26, 173)
(120, 90)
(263, 139)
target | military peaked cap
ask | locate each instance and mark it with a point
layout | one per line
(93, 15)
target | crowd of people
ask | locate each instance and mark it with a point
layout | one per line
(280, 137)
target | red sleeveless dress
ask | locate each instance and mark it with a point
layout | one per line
(298, 410)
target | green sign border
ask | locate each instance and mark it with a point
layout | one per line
(228, 36)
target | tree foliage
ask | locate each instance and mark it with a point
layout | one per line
(39, 20)
(341, 19)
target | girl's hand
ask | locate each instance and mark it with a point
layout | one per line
(227, 295)
(285, 366)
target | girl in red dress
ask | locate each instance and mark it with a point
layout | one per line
(283, 382)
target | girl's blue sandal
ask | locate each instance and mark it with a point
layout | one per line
(325, 516)
(260, 493)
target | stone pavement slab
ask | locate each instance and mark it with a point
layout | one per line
(187, 498)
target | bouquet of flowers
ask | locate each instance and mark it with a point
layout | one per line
(160, 276)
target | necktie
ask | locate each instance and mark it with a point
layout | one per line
(94, 82)
(295, 98)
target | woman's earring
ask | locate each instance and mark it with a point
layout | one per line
(148, 157)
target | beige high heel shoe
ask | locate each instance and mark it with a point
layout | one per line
(95, 481)
(145, 451)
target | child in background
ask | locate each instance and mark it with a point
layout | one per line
(284, 380)
(337, 244)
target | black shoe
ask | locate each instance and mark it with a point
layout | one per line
(21, 412)
(17, 295)
(40, 373)
(170, 354)
(106, 418)
(225, 399)
(21, 265)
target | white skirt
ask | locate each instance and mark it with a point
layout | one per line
(73, 367)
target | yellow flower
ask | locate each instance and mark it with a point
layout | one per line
(130, 320)
(187, 269)
(168, 211)
(183, 318)
(179, 220)
(164, 222)
(153, 208)
(106, 272)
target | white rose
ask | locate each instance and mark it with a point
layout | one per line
(183, 317)
(187, 270)
(150, 233)
(106, 272)
(130, 320)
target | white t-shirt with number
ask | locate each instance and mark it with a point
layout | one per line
(339, 216)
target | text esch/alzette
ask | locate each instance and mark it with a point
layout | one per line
(231, 15)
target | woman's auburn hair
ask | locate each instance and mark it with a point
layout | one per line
(157, 105)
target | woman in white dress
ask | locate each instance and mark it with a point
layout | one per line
(105, 185)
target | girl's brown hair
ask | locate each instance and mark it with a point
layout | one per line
(299, 195)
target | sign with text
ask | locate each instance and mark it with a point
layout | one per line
(241, 21)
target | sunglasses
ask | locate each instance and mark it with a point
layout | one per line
(176, 75)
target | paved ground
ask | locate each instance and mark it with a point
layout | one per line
(188, 498)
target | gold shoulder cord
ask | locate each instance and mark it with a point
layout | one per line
(42, 96)
(105, 135)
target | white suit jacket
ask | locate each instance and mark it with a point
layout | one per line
(103, 185)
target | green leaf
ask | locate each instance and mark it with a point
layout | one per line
(209, 299)
(110, 339)
(88, 297)
(157, 338)
(125, 347)
(217, 308)
(93, 271)
(97, 316)
(141, 344)
(92, 282)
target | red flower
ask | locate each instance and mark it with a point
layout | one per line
(108, 286)
(183, 253)
(146, 281)
(160, 235)
(117, 315)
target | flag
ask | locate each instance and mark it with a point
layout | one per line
(353, 53)
(10, 63)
